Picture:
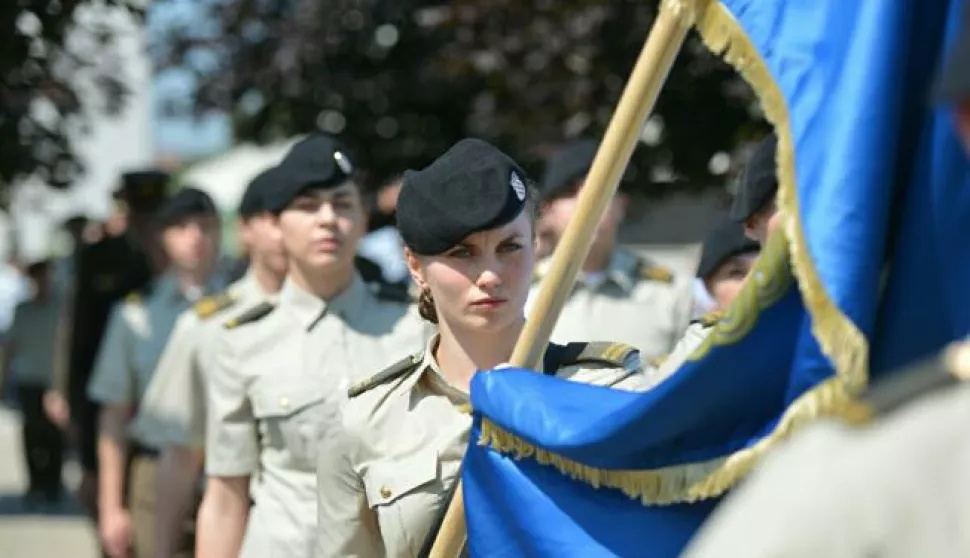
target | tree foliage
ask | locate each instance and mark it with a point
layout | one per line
(401, 80)
(52, 62)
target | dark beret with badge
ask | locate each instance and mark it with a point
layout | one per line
(723, 243)
(315, 162)
(254, 198)
(143, 191)
(759, 181)
(953, 85)
(187, 202)
(567, 166)
(472, 187)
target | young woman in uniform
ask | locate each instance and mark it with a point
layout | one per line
(281, 371)
(468, 223)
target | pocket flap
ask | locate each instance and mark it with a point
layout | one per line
(389, 480)
(283, 400)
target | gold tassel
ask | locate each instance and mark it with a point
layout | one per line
(682, 483)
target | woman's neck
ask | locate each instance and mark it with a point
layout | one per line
(461, 354)
(269, 280)
(326, 285)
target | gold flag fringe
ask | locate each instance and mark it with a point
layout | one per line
(840, 339)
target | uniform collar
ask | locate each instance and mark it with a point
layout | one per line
(249, 289)
(309, 309)
(167, 287)
(429, 371)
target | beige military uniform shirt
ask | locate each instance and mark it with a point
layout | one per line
(897, 489)
(138, 330)
(279, 381)
(384, 477)
(173, 409)
(632, 301)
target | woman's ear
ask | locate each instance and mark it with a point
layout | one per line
(415, 269)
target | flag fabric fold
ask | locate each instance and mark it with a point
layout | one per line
(866, 168)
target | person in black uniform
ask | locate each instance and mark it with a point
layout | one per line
(122, 260)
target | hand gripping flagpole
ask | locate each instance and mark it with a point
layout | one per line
(638, 99)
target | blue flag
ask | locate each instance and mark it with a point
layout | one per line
(869, 174)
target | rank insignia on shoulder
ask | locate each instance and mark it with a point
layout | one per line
(710, 319)
(249, 316)
(210, 305)
(619, 355)
(659, 273)
(133, 297)
(400, 368)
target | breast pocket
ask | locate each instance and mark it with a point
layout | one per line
(406, 494)
(288, 417)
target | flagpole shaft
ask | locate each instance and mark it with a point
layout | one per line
(636, 103)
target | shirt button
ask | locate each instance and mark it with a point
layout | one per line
(386, 492)
(284, 403)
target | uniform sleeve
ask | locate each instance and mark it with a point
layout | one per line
(232, 439)
(346, 526)
(668, 365)
(111, 381)
(162, 414)
(682, 310)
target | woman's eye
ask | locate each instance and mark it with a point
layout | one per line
(509, 247)
(460, 253)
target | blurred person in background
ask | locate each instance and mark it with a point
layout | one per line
(28, 357)
(138, 329)
(726, 259)
(113, 260)
(172, 413)
(618, 295)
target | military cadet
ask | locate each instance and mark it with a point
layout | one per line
(619, 295)
(136, 335)
(114, 263)
(172, 414)
(468, 222)
(726, 258)
(29, 354)
(281, 374)
(897, 488)
(755, 210)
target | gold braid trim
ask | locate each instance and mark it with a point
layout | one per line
(682, 483)
(839, 338)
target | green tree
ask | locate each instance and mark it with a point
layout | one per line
(43, 51)
(400, 80)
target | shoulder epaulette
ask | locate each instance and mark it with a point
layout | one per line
(659, 361)
(610, 354)
(400, 368)
(654, 272)
(710, 319)
(394, 292)
(209, 305)
(133, 297)
(253, 314)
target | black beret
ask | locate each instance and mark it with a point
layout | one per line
(953, 85)
(254, 198)
(758, 182)
(317, 161)
(472, 187)
(566, 166)
(143, 190)
(186, 202)
(723, 242)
